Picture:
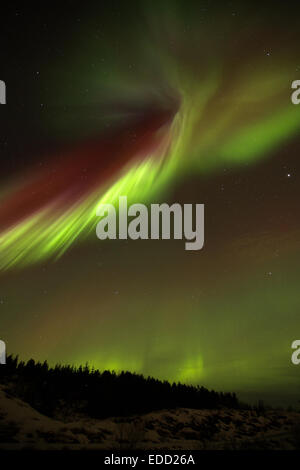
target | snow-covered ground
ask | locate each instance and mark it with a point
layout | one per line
(23, 427)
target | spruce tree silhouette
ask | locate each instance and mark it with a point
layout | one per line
(102, 394)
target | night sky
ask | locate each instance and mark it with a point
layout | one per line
(180, 101)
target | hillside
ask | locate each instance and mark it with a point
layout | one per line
(23, 427)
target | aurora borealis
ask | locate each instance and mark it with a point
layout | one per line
(180, 102)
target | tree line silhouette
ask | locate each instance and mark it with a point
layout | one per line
(102, 394)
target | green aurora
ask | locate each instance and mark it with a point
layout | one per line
(226, 316)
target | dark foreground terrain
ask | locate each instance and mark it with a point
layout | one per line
(22, 427)
(63, 407)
